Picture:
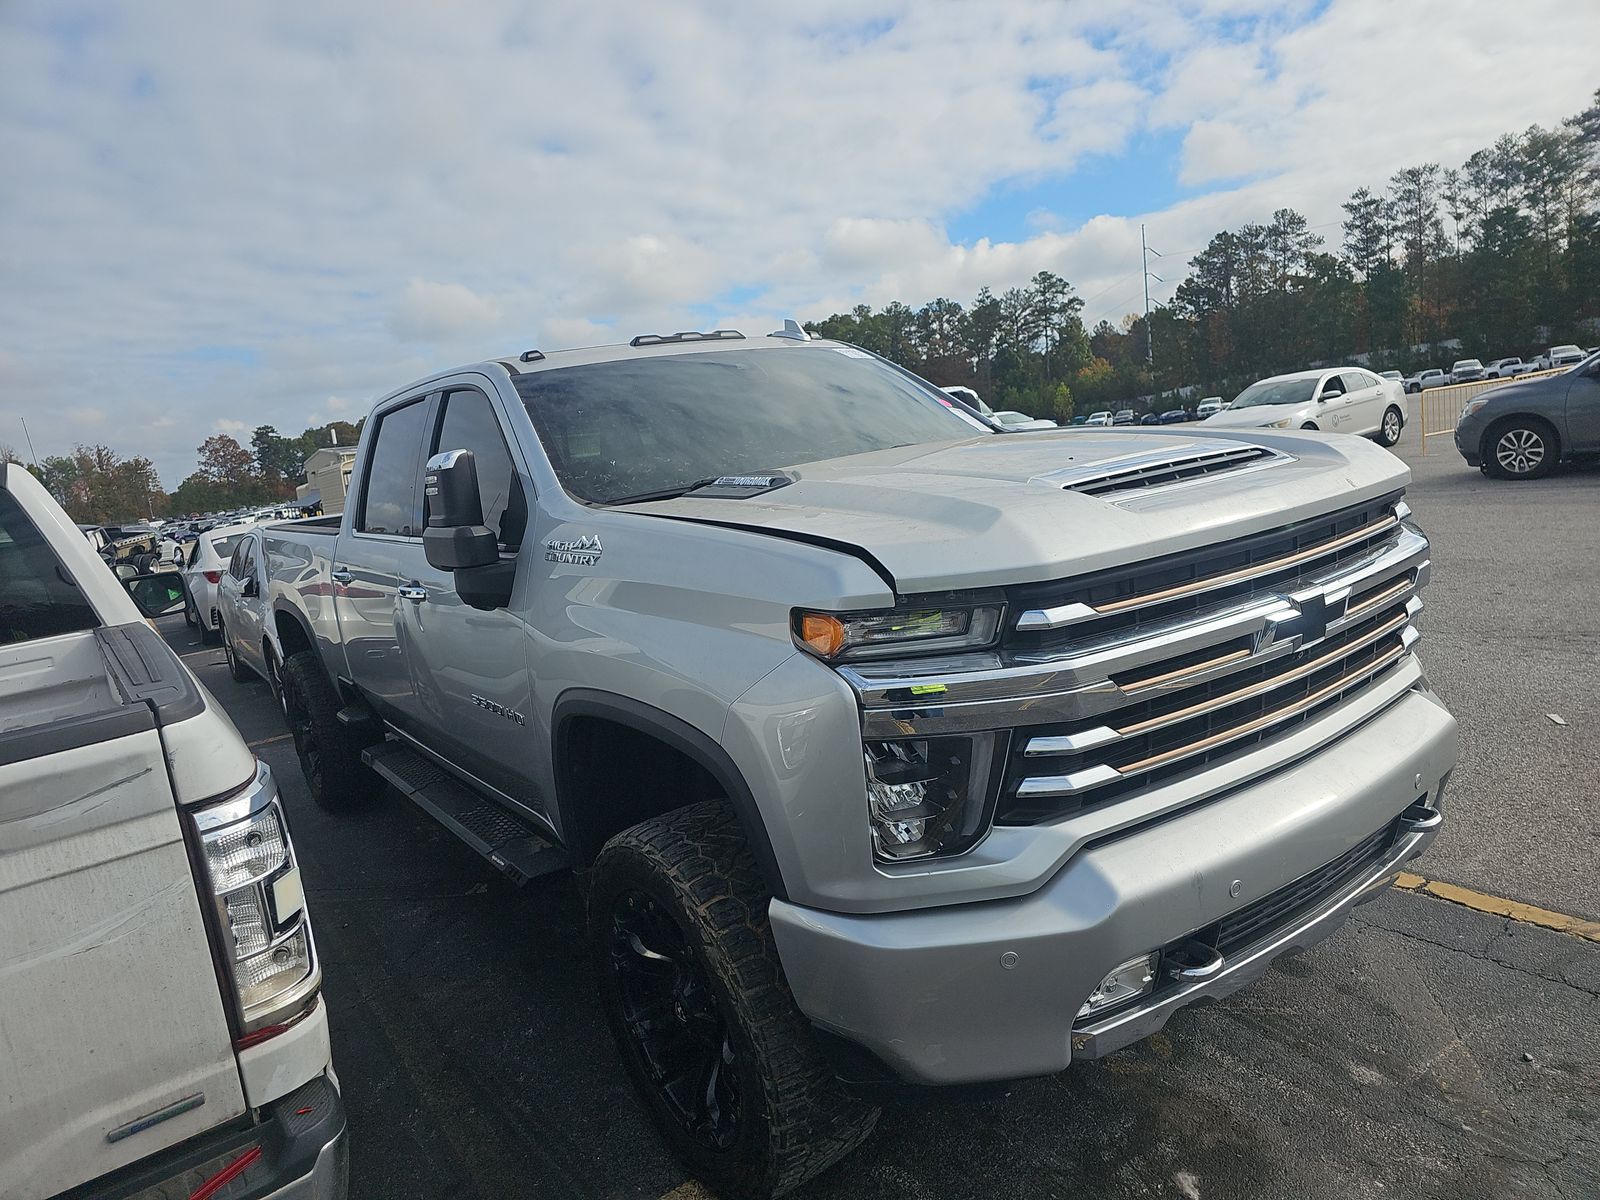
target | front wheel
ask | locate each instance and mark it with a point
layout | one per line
(329, 751)
(1520, 448)
(691, 985)
(1389, 430)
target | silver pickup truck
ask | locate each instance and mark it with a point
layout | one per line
(891, 745)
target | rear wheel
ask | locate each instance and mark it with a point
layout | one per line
(329, 751)
(1393, 423)
(1520, 448)
(691, 984)
(240, 672)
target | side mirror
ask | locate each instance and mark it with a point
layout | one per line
(456, 538)
(157, 595)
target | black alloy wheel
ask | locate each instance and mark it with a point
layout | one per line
(671, 1015)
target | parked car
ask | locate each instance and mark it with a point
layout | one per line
(1211, 404)
(249, 638)
(1394, 375)
(203, 572)
(1174, 416)
(1506, 368)
(1125, 416)
(632, 617)
(1465, 370)
(1099, 418)
(1524, 430)
(1344, 400)
(1150, 419)
(1008, 419)
(1423, 380)
(160, 987)
(1561, 356)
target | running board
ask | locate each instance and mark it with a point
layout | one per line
(505, 839)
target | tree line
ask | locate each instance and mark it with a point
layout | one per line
(1500, 253)
(97, 486)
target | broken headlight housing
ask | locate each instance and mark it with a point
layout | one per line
(931, 796)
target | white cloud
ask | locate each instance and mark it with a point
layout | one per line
(233, 428)
(432, 312)
(250, 211)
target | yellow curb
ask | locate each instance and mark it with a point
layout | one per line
(1528, 914)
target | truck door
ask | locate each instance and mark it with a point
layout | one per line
(471, 691)
(387, 520)
(114, 1042)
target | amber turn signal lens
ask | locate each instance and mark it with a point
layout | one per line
(825, 634)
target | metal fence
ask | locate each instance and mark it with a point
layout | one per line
(1441, 406)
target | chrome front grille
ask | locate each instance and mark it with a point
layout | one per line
(1113, 683)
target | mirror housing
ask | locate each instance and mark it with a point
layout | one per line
(456, 539)
(159, 594)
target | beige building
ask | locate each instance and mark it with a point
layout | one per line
(327, 477)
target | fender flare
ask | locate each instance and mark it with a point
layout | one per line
(683, 737)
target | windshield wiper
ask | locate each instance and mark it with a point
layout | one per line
(663, 493)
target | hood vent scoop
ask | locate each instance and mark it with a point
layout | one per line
(1149, 471)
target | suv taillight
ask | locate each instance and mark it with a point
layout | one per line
(264, 949)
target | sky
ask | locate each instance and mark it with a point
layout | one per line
(217, 216)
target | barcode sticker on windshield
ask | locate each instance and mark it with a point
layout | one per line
(850, 352)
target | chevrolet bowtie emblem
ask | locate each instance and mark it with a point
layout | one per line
(1308, 621)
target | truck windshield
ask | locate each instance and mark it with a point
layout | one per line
(631, 428)
(1282, 391)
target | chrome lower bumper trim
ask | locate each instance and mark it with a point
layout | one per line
(1419, 826)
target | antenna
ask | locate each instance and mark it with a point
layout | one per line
(32, 453)
(1145, 251)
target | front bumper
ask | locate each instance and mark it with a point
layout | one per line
(297, 1151)
(990, 991)
(1469, 440)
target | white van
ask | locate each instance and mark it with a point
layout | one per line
(161, 1026)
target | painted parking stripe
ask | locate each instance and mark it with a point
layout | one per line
(1499, 906)
(282, 737)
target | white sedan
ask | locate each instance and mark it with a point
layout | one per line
(204, 572)
(1338, 400)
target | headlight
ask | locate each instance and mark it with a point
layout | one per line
(1472, 406)
(928, 796)
(908, 629)
(1283, 424)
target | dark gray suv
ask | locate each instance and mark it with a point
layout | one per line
(1526, 429)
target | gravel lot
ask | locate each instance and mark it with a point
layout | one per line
(1427, 1050)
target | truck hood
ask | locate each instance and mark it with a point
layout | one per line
(1002, 509)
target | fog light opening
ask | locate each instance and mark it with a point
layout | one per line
(1131, 979)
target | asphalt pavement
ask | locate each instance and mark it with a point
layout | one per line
(1426, 1050)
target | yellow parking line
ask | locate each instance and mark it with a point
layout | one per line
(1499, 906)
(282, 737)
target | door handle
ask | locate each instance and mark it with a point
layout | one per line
(341, 575)
(413, 592)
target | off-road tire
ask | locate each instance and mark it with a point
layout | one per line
(329, 751)
(1398, 423)
(794, 1118)
(236, 669)
(1534, 438)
